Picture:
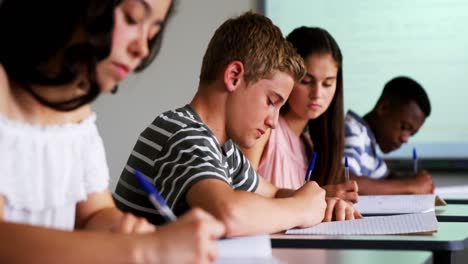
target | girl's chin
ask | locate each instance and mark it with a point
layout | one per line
(108, 87)
(313, 115)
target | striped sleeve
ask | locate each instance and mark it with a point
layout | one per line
(189, 156)
(354, 147)
(245, 178)
(360, 149)
(128, 195)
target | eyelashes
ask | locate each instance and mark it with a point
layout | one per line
(326, 85)
(129, 19)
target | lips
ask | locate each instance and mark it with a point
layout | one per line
(261, 132)
(121, 69)
(314, 106)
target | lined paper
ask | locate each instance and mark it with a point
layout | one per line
(395, 204)
(377, 225)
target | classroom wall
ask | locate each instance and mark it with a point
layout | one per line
(170, 82)
(425, 40)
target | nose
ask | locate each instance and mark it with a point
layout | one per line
(139, 47)
(314, 91)
(404, 137)
(272, 119)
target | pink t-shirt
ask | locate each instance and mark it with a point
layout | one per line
(284, 161)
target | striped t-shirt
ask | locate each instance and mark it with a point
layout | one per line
(360, 148)
(176, 151)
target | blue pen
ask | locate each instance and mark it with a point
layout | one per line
(415, 161)
(311, 167)
(346, 169)
(156, 199)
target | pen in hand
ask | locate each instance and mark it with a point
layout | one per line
(311, 167)
(415, 161)
(156, 199)
(346, 170)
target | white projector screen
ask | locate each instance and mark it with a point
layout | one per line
(423, 39)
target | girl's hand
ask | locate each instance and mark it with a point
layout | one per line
(347, 191)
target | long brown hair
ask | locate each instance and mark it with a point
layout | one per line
(326, 131)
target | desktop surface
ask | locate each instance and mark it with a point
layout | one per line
(449, 237)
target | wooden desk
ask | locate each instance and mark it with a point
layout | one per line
(451, 237)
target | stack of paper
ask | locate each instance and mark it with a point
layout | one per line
(453, 192)
(395, 204)
(377, 225)
(248, 249)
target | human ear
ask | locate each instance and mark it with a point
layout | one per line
(383, 107)
(233, 74)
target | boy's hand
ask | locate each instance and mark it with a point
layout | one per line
(312, 202)
(347, 191)
(129, 223)
(422, 183)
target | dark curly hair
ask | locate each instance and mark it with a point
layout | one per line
(401, 90)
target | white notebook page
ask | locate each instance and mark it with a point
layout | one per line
(453, 192)
(249, 249)
(377, 225)
(395, 204)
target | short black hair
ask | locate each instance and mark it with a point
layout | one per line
(405, 90)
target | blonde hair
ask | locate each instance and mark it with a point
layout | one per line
(255, 41)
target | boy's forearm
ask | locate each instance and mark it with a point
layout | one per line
(249, 213)
(246, 213)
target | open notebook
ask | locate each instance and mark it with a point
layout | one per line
(396, 204)
(248, 249)
(422, 223)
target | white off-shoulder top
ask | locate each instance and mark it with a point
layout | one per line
(46, 170)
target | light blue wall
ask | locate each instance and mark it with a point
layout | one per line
(424, 39)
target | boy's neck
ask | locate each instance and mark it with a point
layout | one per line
(372, 120)
(209, 103)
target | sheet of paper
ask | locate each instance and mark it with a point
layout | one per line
(395, 204)
(452, 189)
(376, 225)
(248, 249)
(452, 192)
